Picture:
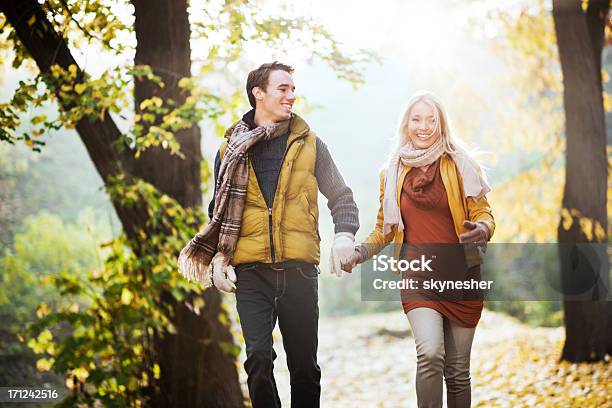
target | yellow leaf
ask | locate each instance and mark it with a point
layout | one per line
(105, 316)
(56, 71)
(567, 219)
(38, 119)
(42, 310)
(126, 296)
(607, 100)
(198, 302)
(73, 70)
(600, 234)
(108, 35)
(80, 88)
(154, 101)
(32, 20)
(144, 104)
(80, 373)
(44, 364)
(156, 371)
(184, 82)
(157, 101)
(45, 336)
(586, 224)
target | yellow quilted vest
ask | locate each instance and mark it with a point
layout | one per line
(291, 225)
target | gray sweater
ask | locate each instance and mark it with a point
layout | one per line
(267, 157)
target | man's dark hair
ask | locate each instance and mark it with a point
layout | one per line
(259, 77)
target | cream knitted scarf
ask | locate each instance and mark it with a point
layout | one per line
(474, 184)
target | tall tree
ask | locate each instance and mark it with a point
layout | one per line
(579, 26)
(196, 371)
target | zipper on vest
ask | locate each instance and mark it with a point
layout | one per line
(275, 189)
(270, 231)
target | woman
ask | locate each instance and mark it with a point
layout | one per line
(433, 192)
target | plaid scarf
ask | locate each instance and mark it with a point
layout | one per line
(221, 234)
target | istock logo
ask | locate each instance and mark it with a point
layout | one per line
(383, 263)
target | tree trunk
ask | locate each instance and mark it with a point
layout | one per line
(195, 371)
(162, 34)
(588, 323)
(196, 375)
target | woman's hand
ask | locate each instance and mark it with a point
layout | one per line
(478, 233)
(354, 259)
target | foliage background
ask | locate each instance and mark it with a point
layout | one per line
(494, 64)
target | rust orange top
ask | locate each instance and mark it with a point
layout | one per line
(430, 231)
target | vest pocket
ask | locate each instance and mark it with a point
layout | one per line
(312, 214)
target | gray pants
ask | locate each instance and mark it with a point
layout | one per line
(443, 348)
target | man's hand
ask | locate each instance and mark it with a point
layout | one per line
(223, 274)
(478, 233)
(342, 249)
(352, 261)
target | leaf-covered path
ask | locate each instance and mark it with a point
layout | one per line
(370, 361)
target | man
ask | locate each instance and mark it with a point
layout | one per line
(273, 268)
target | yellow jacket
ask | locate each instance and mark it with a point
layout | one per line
(461, 209)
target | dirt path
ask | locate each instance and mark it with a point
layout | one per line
(370, 361)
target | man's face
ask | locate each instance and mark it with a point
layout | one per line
(276, 101)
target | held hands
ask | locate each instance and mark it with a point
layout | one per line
(223, 274)
(478, 233)
(342, 250)
(353, 260)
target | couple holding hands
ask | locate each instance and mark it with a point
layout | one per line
(262, 241)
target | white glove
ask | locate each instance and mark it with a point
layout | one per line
(223, 273)
(342, 248)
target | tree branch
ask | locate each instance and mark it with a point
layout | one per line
(47, 48)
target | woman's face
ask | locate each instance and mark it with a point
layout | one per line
(421, 126)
